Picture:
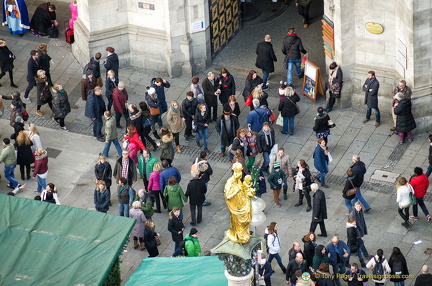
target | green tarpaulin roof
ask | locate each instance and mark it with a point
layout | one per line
(48, 244)
(191, 271)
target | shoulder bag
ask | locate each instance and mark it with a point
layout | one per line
(352, 191)
(298, 108)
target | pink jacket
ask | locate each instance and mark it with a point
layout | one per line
(153, 183)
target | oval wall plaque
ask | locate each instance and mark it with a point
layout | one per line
(374, 28)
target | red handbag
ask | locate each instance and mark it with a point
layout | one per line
(249, 101)
(273, 118)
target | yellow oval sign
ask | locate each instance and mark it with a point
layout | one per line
(374, 28)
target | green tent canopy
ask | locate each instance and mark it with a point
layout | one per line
(191, 271)
(48, 244)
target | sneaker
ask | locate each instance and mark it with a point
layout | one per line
(366, 120)
(207, 150)
(428, 218)
(26, 99)
(409, 140)
(207, 204)
(306, 25)
(265, 88)
(368, 210)
(393, 129)
(36, 192)
(414, 217)
(9, 186)
(187, 139)
(38, 112)
(198, 144)
(222, 154)
(278, 205)
(64, 129)
(324, 186)
(101, 139)
(377, 124)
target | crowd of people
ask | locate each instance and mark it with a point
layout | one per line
(197, 112)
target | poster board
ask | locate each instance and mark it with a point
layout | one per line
(328, 36)
(312, 82)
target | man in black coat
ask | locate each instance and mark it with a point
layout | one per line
(94, 109)
(32, 67)
(211, 91)
(371, 87)
(265, 58)
(319, 210)
(265, 142)
(196, 190)
(189, 106)
(112, 62)
(292, 49)
(359, 170)
(425, 278)
(227, 127)
(295, 264)
(6, 62)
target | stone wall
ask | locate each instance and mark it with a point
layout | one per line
(159, 38)
(401, 51)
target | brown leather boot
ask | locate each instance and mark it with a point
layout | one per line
(135, 244)
(142, 247)
(178, 149)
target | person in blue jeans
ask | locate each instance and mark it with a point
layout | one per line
(126, 196)
(359, 170)
(321, 161)
(292, 49)
(371, 87)
(288, 109)
(201, 121)
(273, 244)
(111, 134)
(8, 157)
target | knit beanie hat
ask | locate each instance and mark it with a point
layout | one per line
(276, 165)
(193, 231)
(18, 119)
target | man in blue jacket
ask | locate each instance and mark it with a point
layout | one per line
(94, 109)
(339, 254)
(257, 117)
(166, 173)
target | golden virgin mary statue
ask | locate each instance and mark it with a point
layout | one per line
(238, 198)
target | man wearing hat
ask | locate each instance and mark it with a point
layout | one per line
(192, 245)
(277, 180)
(88, 82)
(94, 109)
(111, 62)
(227, 127)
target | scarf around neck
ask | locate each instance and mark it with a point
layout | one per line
(268, 139)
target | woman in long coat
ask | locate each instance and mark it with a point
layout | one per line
(252, 81)
(321, 161)
(61, 106)
(166, 145)
(289, 109)
(15, 16)
(6, 62)
(335, 81)
(138, 229)
(24, 153)
(175, 120)
(405, 120)
(150, 238)
(42, 84)
(226, 85)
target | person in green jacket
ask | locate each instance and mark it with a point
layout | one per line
(8, 157)
(145, 166)
(277, 181)
(146, 203)
(192, 245)
(174, 194)
(320, 257)
(111, 134)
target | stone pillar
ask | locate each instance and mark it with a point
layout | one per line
(239, 281)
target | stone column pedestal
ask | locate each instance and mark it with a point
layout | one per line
(239, 281)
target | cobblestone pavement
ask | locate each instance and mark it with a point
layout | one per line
(72, 155)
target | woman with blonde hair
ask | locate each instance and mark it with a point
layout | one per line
(111, 82)
(43, 93)
(288, 109)
(201, 121)
(138, 229)
(261, 95)
(61, 106)
(24, 153)
(40, 171)
(34, 136)
(103, 171)
(176, 121)
(403, 190)
(150, 238)
(154, 186)
(101, 197)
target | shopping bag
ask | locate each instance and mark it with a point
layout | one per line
(279, 120)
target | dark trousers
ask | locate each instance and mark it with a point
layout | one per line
(110, 101)
(27, 167)
(177, 138)
(145, 181)
(118, 116)
(38, 107)
(213, 113)
(146, 135)
(97, 127)
(322, 227)
(305, 194)
(60, 121)
(141, 239)
(404, 213)
(10, 76)
(158, 196)
(331, 102)
(304, 11)
(194, 217)
(420, 202)
(29, 88)
(188, 129)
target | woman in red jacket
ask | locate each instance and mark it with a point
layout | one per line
(41, 169)
(135, 144)
(420, 184)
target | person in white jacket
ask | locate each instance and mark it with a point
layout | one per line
(379, 258)
(403, 199)
(49, 194)
(273, 243)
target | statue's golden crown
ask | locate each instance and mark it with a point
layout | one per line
(237, 166)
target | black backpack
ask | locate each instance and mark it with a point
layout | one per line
(397, 267)
(183, 248)
(378, 270)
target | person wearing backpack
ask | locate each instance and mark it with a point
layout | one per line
(191, 244)
(354, 240)
(380, 268)
(355, 276)
(399, 268)
(273, 243)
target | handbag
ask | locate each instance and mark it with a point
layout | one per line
(249, 101)
(331, 124)
(230, 147)
(154, 110)
(272, 118)
(413, 200)
(45, 94)
(158, 242)
(352, 191)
